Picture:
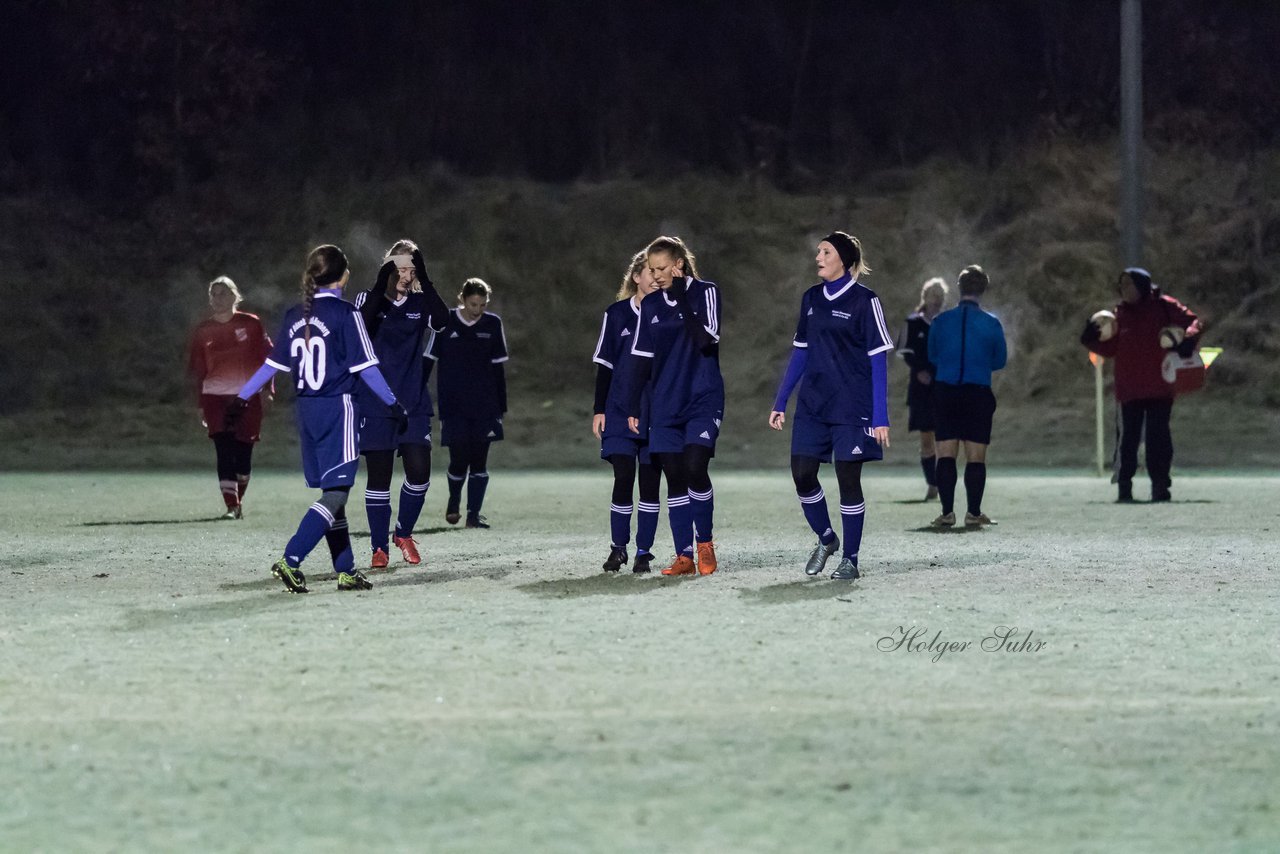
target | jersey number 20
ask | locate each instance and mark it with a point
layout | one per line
(311, 361)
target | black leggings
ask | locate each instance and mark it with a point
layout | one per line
(804, 471)
(381, 465)
(472, 456)
(624, 478)
(687, 470)
(234, 457)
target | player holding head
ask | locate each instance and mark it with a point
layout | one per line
(677, 340)
(398, 310)
(324, 345)
(471, 387)
(841, 349)
(625, 450)
(225, 350)
(967, 345)
(913, 347)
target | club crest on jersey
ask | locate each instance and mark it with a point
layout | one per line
(843, 315)
(242, 334)
(413, 315)
(484, 335)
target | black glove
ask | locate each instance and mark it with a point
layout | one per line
(385, 274)
(677, 290)
(1187, 347)
(402, 419)
(234, 412)
(420, 268)
(1092, 332)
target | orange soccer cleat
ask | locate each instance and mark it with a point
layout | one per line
(409, 549)
(379, 559)
(706, 558)
(683, 565)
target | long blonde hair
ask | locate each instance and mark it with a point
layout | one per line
(629, 287)
(932, 286)
(676, 248)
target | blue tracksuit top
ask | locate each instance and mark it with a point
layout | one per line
(967, 344)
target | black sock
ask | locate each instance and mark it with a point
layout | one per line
(975, 483)
(930, 464)
(946, 477)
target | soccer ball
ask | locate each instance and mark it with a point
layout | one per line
(1172, 336)
(1106, 323)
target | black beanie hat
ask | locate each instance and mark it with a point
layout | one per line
(1141, 279)
(850, 254)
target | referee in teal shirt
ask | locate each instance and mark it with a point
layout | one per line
(967, 345)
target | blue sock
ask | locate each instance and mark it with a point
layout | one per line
(851, 517)
(619, 525)
(476, 485)
(680, 515)
(703, 505)
(339, 538)
(646, 527)
(814, 506)
(411, 497)
(311, 530)
(377, 506)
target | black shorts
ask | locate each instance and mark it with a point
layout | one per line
(964, 412)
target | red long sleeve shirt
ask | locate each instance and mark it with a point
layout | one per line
(1136, 345)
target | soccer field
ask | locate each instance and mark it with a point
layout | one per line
(159, 690)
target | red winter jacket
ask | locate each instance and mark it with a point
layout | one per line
(1136, 345)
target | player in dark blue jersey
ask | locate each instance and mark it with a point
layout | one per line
(677, 342)
(625, 451)
(324, 344)
(471, 389)
(840, 352)
(398, 317)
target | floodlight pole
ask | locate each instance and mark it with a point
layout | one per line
(1131, 132)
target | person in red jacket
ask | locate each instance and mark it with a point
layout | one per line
(1139, 349)
(224, 352)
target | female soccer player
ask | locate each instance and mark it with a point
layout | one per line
(913, 347)
(841, 352)
(324, 344)
(225, 350)
(471, 388)
(677, 340)
(622, 448)
(397, 323)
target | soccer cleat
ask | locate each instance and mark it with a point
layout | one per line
(682, 565)
(292, 576)
(977, 520)
(379, 560)
(233, 513)
(846, 571)
(475, 520)
(617, 557)
(1126, 494)
(641, 566)
(353, 580)
(409, 549)
(706, 558)
(946, 520)
(1160, 495)
(931, 493)
(818, 559)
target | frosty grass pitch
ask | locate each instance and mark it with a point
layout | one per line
(161, 691)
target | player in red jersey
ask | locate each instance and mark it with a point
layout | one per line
(225, 351)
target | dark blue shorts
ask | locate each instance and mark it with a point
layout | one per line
(696, 431)
(468, 431)
(379, 434)
(327, 430)
(965, 412)
(632, 446)
(822, 441)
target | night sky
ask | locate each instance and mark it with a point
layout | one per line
(125, 98)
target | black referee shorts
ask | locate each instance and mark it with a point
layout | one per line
(964, 412)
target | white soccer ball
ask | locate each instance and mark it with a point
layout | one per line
(1106, 323)
(1172, 336)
